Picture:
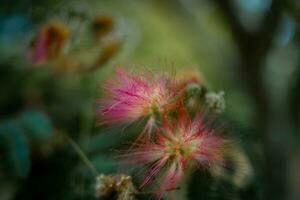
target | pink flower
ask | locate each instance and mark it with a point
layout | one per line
(175, 147)
(133, 97)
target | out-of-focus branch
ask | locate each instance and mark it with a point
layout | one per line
(294, 94)
(253, 49)
(263, 36)
(238, 31)
(269, 25)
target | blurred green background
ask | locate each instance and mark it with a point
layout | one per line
(247, 48)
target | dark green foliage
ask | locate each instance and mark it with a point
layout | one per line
(56, 171)
(204, 187)
(11, 82)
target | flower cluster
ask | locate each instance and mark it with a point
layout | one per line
(175, 141)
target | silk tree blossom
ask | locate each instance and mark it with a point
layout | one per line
(133, 97)
(177, 146)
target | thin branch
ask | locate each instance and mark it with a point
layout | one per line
(82, 155)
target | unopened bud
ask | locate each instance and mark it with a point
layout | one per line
(120, 184)
(215, 101)
(193, 89)
(104, 185)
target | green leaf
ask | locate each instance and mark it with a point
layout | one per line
(36, 125)
(14, 149)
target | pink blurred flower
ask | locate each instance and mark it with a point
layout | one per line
(175, 147)
(133, 97)
(49, 42)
